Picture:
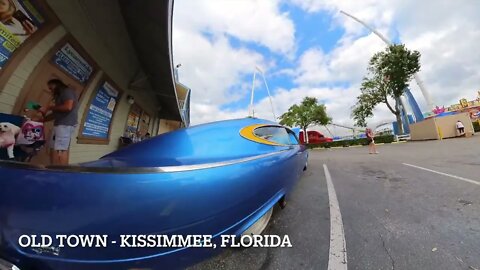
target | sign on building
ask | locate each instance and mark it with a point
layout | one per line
(20, 19)
(69, 60)
(98, 118)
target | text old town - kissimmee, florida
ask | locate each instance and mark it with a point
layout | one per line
(152, 241)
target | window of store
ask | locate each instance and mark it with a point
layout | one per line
(138, 123)
(66, 60)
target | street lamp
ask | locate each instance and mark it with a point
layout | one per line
(251, 109)
(176, 71)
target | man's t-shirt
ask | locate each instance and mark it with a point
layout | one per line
(460, 125)
(66, 118)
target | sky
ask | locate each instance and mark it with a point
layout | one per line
(308, 48)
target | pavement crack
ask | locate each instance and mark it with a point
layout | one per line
(388, 252)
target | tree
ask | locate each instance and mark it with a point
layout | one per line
(389, 74)
(308, 112)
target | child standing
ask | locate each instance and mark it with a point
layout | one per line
(372, 148)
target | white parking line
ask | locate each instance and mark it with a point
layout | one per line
(445, 174)
(337, 258)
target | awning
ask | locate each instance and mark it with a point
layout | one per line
(149, 24)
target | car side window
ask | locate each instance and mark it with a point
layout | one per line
(293, 137)
(274, 134)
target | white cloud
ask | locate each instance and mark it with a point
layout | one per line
(257, 21)
(205, 113)
(445, 32)
(346, 63)
(450, 60)
(376, 12)
(212, 66)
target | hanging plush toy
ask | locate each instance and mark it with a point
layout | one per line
(8, 131)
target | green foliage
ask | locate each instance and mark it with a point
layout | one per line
(347, 143)
(306, 113)
(389, 74)
(398, 65)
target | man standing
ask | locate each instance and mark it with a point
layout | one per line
(64, 112)
(460, 128)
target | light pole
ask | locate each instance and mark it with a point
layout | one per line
(252, 110)
(176, 71)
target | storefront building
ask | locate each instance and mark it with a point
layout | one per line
(116, 55)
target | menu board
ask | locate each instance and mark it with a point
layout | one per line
(69, 60)
(99, 116)
(19, 20)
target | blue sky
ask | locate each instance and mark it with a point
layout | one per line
(307, 48)
(312, 30)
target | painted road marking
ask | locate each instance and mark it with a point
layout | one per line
(445, 174)
(337, 258)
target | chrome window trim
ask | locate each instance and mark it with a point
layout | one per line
(4, 265)
(133, 170)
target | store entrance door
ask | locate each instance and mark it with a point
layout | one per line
(36, 90)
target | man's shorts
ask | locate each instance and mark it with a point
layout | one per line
(61, 136)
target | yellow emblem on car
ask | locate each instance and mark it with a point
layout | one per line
(249, 134)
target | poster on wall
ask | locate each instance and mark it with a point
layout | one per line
(99, 115)
(19, 20)
(70, 61)
(144, 124)
(133, 120)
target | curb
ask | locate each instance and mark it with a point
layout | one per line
(355, 146)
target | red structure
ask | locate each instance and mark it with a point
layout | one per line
(315, 137)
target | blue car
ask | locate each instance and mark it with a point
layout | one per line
(221, 178)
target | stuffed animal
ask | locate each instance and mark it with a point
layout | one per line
(8, 131)
(31, 132)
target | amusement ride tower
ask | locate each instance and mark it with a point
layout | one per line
(411, 100)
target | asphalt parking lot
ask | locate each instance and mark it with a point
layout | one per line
(415, 205)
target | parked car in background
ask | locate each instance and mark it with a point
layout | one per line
(315, 137)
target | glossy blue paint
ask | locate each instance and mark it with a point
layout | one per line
(219, 200)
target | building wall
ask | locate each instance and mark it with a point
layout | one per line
(99, 29)
(16, 82)
(447, 125)
(424, 130)
(440, 127)
(167, 126)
